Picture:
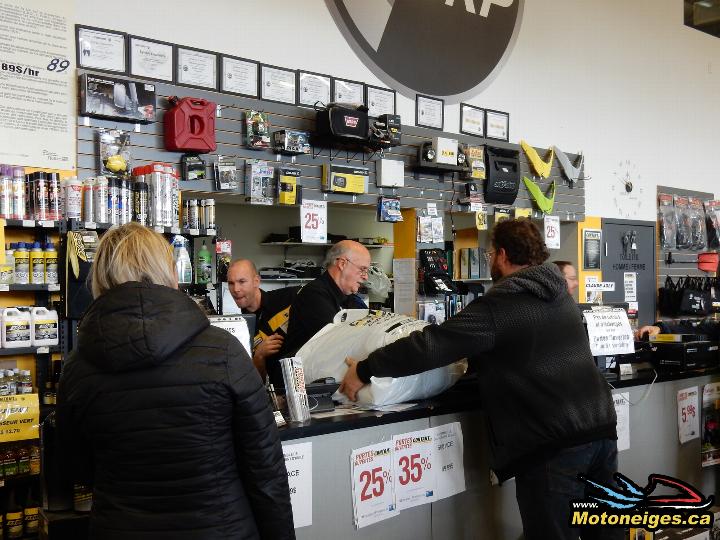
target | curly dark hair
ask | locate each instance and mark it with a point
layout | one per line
(522, 241)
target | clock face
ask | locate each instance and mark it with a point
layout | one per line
(626, 189)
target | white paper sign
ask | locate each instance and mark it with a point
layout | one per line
(432, 209)
(609, 332)
(688, 414)
(552, 232)
(414, 470)
(630, 284)
(622, 411)
(372, 484)
(448, 460)
(600, 286)
(313, 221)
(298, 462)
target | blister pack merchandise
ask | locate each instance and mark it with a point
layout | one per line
(712, 223)
(667, 221)
(698, 232)
(114, 151)
(682, 209)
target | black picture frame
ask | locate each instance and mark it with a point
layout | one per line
(367, 98)
(300, 73)
(79, 52)
(279, 68)
(173, 60)
(343, 79)
(442, 112)
(176, 67)
(221, 75)
(502, 113)
(462, 116)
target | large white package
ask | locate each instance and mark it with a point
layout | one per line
(324, 356)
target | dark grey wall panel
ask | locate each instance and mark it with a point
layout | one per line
(420, 188)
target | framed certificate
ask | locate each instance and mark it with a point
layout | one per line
(239, 76)
(196, 67)
(277, 84)
(472, 120)
(379, 100)
(100, 49)
(150, 59)
(345, 91)
(429, 112)
(497, 125)
(312, 87)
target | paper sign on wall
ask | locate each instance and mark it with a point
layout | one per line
(313, 221)
(20, 416)
(609, 332)
(552, 232)
(622, 411)
(372, 484)
(298, 462)
(688, 417)
(448, 460)
(414, 470)
(630, 286)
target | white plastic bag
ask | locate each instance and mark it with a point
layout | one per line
(324, 356)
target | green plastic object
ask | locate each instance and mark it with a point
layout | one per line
(545, 204)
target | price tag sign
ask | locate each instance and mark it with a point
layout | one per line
(413, 468)
(159, 229)
(688, 414)
(298, 463)
(432, 209)
(609, 332)
(608, 286)
(477, 206)
(175, 230)
(372, 484)
(54, 287)
(448, 460)
(47, 224)
(90, 225)
(552, 232)
(313, 221)
(21, 417)
(28, 222)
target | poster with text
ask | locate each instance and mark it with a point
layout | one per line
(448, 460)
(372, 484)
(298, 462)
(688, 417)
(622, 411)
(414, 471)
(37, 84)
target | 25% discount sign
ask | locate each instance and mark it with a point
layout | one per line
(372, 484)
(313, 221)
(413, 468)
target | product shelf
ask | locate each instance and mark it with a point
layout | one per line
(31, 223)
(15, 480)
(310, 244)
(29, 350)
(32, 287)
(97, 226)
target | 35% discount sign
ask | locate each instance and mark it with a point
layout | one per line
(413, 469)
(313, 221)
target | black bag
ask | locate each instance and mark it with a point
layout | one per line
(695, 300)
(342, 123)
(668, 301)
(713, 287)
(503, 175)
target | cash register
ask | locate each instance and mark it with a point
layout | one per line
(684, 352)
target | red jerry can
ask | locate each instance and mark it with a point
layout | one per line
(190, 125)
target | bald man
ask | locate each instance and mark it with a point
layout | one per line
(271, 309)
(316, 305)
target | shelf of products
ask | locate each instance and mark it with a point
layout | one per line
(32, 287)
(310, 244)
(29, 350)
(31, 223)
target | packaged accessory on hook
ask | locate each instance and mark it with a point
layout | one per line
(114, 151)
(257, 125)
(698, 232)
(712, 223)
(682, 208)
(668, 221)
(190, 125)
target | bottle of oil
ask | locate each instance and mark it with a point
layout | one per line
(14, 517)
(204, 265)
(31, 513)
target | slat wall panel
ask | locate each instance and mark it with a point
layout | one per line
(420, 187)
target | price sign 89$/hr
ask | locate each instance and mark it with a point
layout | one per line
(313, 221)
(413, 465)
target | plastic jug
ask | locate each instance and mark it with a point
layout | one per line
(15, 328)
(190, 125)
(44, 324)
(22, 264)
(37, 264)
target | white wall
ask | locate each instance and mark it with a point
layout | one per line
(618, 79)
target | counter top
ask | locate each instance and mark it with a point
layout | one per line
(464, 396)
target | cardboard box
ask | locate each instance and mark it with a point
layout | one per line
(390, 173)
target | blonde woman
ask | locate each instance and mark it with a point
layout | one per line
(164, 414)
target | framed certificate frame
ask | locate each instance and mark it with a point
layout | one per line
(429, 112)
(380, 100)
(313, 88)
(472, 120)
(497, 125)
(346, 91)
(239, 76)
(151, 59)
(278, 84)
(100, 49)
(196, 67)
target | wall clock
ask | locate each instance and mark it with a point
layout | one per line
(627, 189)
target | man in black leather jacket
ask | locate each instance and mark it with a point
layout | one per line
(550, 412)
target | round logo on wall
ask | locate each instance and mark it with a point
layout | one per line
(449, 48)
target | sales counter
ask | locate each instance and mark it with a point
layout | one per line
(484, 511)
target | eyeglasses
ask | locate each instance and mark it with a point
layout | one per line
(491, 253)
(363, 269)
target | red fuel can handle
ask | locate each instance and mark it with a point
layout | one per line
(190, 125)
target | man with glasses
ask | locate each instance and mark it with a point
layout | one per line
(549, 411)
(347, 264)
